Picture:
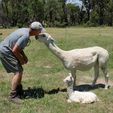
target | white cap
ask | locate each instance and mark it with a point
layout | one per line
(37, 25)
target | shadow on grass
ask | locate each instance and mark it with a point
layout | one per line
(55, 91)
(37, 93)
(87, 87)
(84, 87)
(34, 92)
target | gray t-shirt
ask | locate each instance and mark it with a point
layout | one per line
(19, 37)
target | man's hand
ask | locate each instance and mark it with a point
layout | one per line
(20, 54)
(24, 57)
(23, 60)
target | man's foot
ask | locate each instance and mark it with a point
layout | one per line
(13, 97)
(15, 100)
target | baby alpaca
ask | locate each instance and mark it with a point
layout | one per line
(77, 96)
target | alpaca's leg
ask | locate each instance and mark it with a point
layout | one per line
(73, 72)
(106, 75)
(96, 73)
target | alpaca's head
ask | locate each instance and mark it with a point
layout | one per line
(45, 38)
(69, 80)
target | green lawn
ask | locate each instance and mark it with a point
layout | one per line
(45, 72)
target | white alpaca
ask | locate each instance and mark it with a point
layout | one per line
(77, 96)
(79, 59)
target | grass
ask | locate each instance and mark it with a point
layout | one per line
(44, 71)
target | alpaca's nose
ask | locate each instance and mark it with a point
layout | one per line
(36, 37)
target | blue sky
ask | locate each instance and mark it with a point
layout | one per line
(77, 2)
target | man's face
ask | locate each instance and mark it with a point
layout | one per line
(36, 32)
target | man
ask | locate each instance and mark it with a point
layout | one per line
(13, 57)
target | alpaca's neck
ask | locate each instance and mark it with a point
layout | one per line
(70, 90)
(56, 50)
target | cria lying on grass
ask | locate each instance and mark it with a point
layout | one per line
(79, 59)
(77, 96)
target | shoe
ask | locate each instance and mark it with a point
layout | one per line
(13, 97)
(15, 100)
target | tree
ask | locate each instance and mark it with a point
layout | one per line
(56, 12)
(88, 7)
(53, 12)
(73, 14)
(109, 13)
(5, 13)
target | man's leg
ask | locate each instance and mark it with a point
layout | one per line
(16, 81)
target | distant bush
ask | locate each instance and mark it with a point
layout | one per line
(90, 24)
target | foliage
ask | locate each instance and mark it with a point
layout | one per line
(72, 14)
(56, 12)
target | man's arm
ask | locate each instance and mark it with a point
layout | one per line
(19, 54)
(24, 56)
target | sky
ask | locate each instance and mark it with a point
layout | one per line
(77, 2)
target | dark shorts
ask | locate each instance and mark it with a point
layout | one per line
(10, 63)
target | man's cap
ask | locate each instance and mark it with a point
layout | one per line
(37, 26)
